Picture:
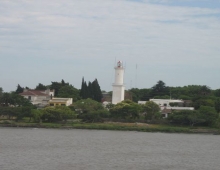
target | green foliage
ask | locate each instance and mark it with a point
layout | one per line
(58, 113)
(68, 91)
(57, 86)
(109, 106)
(217, 92)
(94, 116)
(92, 90)
(126, 110)
(209, 114)
(160, 89)
(162, 97)
(217, 105)
(202, 101)
(186, 117)
(23, 112)
(217, 124)
(96, 91)
(15, 112)
(13, 99)
(41, 87)
(87, 105)
(19, 89)
(173, 104)
(90, 110)
(36, 115)
(205, 115)
(151, 110)
(1, 92)
(6, 99)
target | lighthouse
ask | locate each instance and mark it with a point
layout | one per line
(118, 85)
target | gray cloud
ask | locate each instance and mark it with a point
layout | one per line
(163, 40)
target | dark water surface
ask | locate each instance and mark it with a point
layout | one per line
(54, 149)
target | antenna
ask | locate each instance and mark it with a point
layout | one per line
(124, 73)
(170, 94)
(136, 77)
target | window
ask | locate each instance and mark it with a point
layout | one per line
(29, 97)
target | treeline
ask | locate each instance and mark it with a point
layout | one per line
(48, 114)
(88, 108)
(194, 95)
(92, 90)
(66, 90)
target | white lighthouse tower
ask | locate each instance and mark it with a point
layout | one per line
(118, 86)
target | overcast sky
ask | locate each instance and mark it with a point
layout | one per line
(176, 41)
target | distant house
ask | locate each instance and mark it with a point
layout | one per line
(60, 101)
(165, 105)
(165, 112)
(167, 102)
(39, 98)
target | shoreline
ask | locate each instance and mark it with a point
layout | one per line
(117, 127)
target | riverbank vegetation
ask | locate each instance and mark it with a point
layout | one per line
(88, 112)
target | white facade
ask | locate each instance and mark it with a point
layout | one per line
(38, 97)
(118, 85)
(165, 102)
(60, 101)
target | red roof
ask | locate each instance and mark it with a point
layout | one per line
(165, 110)
(34, 93)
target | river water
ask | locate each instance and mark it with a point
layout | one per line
(54, 149)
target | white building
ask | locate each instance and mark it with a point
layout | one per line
(165, 105)
(118, 85)
(166, 102)
(38, 97)
(60, 101)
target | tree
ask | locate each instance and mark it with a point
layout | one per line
(1, 92)
(202, 101)
(18, 100)
(180, 117)
(209, 114)
(19, 89)
(68, 91)
(217, 92)
(6, 99)
(204, 90)
(160, 89)
(218, 122)
(37, 115)
(87, 105)
(186, 117)
(84, 90)
(41, 87)
(126, 110)
(195, 117)
(14, 99)
(57, 86)
(217, 105)
(151, 110)
(96, 91)
(90, 110)
(57, 113)
(92, 90)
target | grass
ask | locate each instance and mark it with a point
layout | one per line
(141, 127)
